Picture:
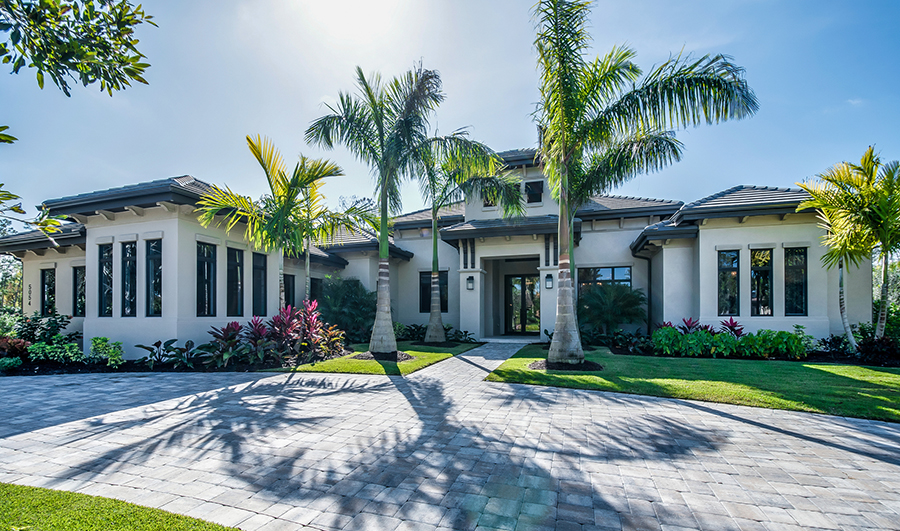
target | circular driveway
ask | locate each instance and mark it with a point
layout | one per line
(442, 449)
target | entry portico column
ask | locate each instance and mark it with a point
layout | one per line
(548, 299)
(471, 301)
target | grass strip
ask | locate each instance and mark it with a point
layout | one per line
(36, 509)
(834, 389)
(424, 356)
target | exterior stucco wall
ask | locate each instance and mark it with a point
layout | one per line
(62, 262)
(679, 289)
(475, 208)
(772, 232)
(406, 303)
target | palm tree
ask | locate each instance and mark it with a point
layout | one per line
(466, 169)
(611, 305)
(383, 125)
(859, 207)
(601, 125)
(285, 218)
(321, 225)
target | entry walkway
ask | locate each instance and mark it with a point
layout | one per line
(443, 449)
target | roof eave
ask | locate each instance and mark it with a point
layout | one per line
(628, 212)
(117, 201)
(750, 210)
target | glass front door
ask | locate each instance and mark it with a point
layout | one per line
(523, 304)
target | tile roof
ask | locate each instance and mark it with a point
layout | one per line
(345, 241)
(505, 227)
(457, 209)
(744, 196)
(69, 234)
(617, 203)
(184, 189)
(515, 157)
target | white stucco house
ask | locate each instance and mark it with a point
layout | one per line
(136, 266)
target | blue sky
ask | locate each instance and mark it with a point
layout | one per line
(826, 75)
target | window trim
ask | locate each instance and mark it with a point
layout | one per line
(149, 259)
(211, 281)
(770, 269)
(612, 273)
(128, 279)
(263, 300)
(737, 270)
(525, 191)
(805, 269)
(48, 300)
(445, 293)
(234, 272)
(75, 312)
(100, 295)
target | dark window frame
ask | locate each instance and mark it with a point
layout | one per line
(206, 278)
(532, 196)
(48, 291)
(736, 270)
(154, 274)
(425, 291)
(592, 274)
(129, 279)
(260, 272)
(79, 291)
(234, 282)
(804, 284)
(758, 277)
(105, 289)
(316, 288)
(290, 290)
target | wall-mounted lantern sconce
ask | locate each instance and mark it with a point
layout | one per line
(548, 281)
(470, 283)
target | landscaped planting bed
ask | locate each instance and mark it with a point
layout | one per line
(422, 355)
(834, 389)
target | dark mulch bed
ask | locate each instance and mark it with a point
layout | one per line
(544, 365)
(380, 356)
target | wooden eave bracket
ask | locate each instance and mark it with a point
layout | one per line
(136, 210)
(784, 216)
(80, 218)
(36, 252)
(170, 207)
(109, 216)
(743, 219)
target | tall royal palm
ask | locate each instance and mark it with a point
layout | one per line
(383, 125)
(602, 123)
(452, 169)
(859, 207)
(282, 219)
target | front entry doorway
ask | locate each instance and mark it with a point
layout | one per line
(523, 304)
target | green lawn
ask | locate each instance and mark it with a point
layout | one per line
(846, 390)
(424, 356)
(34, 509)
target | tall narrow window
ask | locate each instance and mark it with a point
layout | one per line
(154, 278)
(206, 280)
(290, 287)
(316, 287)
(729, 295)
(105, 263)
(534, 192)
(425, 291)
(795, 282)
(259, 284)
(235, 283)
(761, 282)
(48, 292)
(78, 291)
(129, 279)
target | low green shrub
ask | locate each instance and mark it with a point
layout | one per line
(37, 329)
(668, 341)
(8, 364)
(102, 349)
(349, 305)
(58, 351)
(702, 341)
(8, 321)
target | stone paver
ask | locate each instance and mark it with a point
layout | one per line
(442, 449)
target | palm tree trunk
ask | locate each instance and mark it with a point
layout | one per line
(383, 340)
(280, 278)
(843, 306)
(308, 280)
(566, 344)
(882, 311)
(435, 332)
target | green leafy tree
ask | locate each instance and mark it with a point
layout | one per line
(602, 124)
(383, 125)
(610, 305)
(289, 217)
(451, 170)
(85, 41)
(10, 206)
(10, 274)
(859, 207)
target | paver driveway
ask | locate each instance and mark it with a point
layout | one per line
(442, 448)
